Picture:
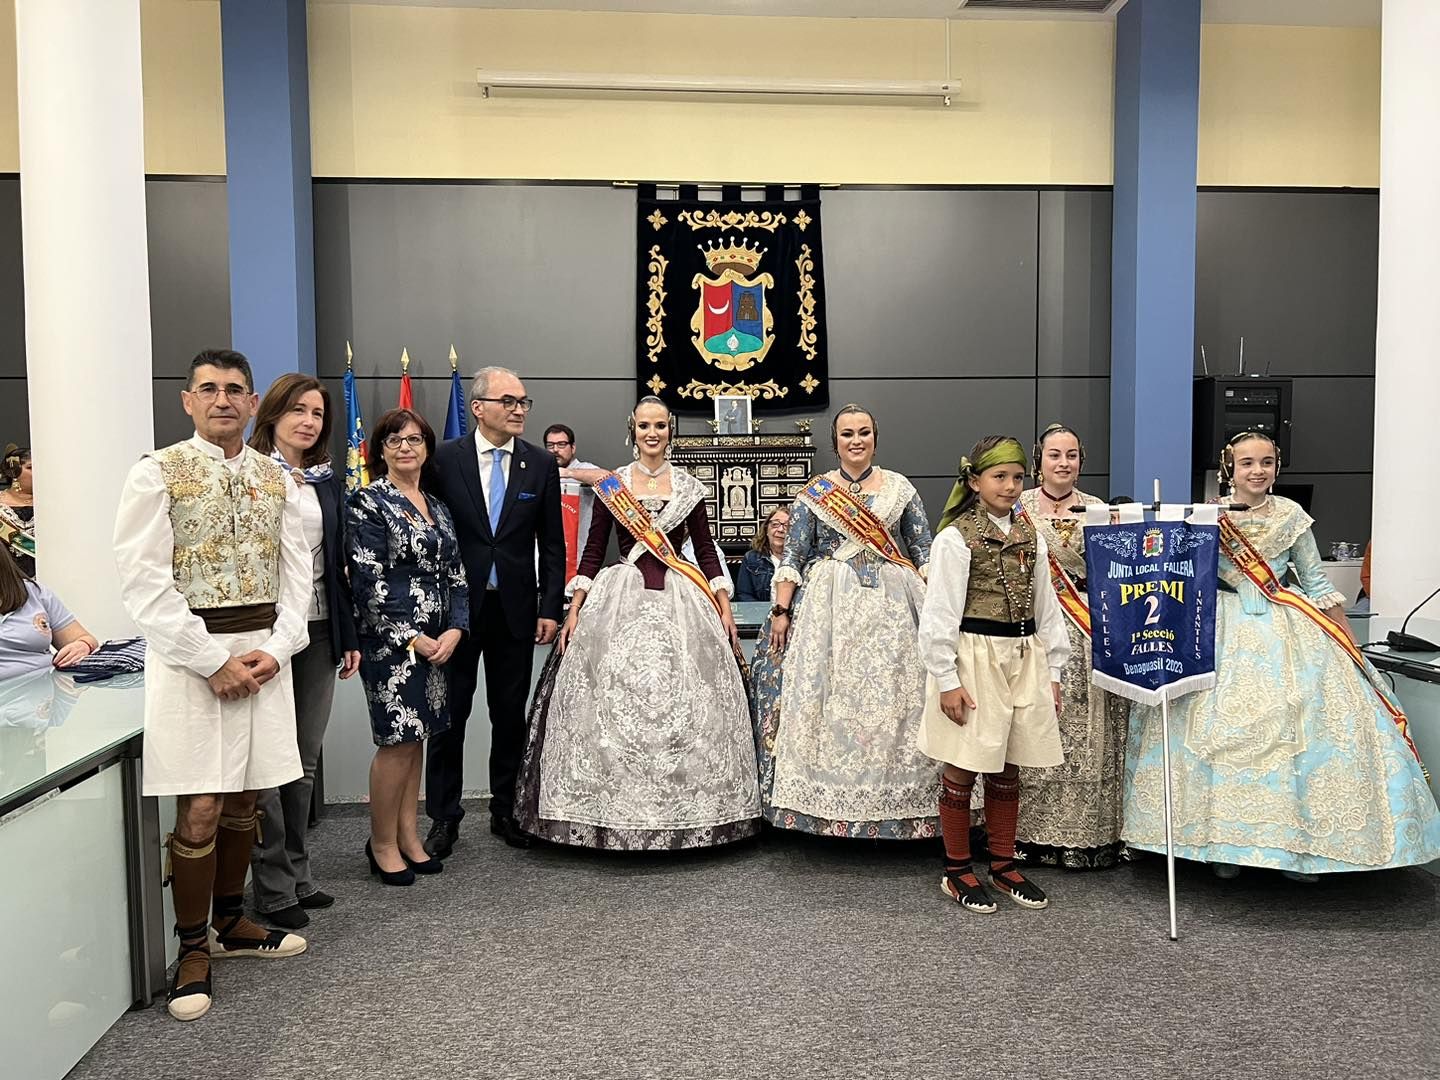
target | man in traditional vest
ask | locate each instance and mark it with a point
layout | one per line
(215, 571)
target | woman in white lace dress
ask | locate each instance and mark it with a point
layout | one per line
(837, 680)
(640, 729)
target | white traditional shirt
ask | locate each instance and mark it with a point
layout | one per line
(144, 555)
(945, 606)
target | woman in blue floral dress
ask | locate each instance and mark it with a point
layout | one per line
(838, 684)
(411, 609)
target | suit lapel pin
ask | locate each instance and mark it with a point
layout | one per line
(522, 464)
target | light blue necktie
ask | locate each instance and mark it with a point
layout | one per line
(497, 500)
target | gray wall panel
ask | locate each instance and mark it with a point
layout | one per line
(533, 277)
(171, 422)
(14, 412)
(1341, 507)
(1082, 404)
(188, 227)
(1334, 428)
(1074, 299)
(12, 285)
(930, 282)
(1295, 273)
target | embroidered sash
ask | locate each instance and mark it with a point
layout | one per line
(1257, 569)
(852, 518)
(627, 510)
(1072, 601)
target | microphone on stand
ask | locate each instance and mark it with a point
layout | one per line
(1400, 641)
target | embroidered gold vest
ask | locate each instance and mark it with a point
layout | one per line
(990, 552)
(226, 524)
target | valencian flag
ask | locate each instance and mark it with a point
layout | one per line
(455, 413)
(407, 399)
(731, 300)
(1152, 606)
(357, 470)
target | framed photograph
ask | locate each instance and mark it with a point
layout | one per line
(732, 414)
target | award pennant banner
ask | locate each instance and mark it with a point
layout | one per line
(731, 300)
(1152, 608)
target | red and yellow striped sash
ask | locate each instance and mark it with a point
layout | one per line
(1073, 602)
(1257, 569)
(854, 519)
(627, 510)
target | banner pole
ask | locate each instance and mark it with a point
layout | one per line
(1169, 818)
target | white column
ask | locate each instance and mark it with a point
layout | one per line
(87, 286)
(1405, 565)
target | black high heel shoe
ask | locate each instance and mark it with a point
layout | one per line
(389, 877)
(431, 865)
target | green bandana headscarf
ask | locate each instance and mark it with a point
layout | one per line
(1008, 452)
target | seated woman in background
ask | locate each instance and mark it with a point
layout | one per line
(17, 508)
(758, 567)
(32, 622)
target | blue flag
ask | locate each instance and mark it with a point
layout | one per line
(1152, 607)
(455, 414)
(357, 470)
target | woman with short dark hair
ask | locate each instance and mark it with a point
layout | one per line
(412, 606)
(293, 426)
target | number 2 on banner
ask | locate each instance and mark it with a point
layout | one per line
(1153, 603)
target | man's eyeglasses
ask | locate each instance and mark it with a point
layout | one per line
(209, 391)
(510, 404)
(394, 442)
(557, 445)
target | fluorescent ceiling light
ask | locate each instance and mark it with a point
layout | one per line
(565, 81)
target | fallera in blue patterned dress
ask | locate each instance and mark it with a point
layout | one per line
(838, 715)
(407, 579)
(1292, 761)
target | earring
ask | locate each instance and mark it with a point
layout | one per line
(634, 451)
(667, 451)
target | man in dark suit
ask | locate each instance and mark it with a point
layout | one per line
(504, 494)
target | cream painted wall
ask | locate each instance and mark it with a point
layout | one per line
(393, 94)
(1289, 106)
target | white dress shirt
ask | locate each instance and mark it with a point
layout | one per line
(485, 452)
(145, 556)
(945, 606)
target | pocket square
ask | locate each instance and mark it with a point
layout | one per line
(525, 495)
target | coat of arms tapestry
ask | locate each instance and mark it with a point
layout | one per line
(731, 300)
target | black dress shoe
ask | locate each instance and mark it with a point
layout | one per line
(507, 830)
(441, 839)
(316, 899)
(291, 918)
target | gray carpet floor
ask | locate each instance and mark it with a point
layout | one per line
(802, 957)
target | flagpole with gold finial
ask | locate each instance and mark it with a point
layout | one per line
(357, 472)
(407, 397)
(455, 412)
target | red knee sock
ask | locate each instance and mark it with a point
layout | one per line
(1002, 808)
(955, 820)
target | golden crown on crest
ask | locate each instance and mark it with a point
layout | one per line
(741, 258)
